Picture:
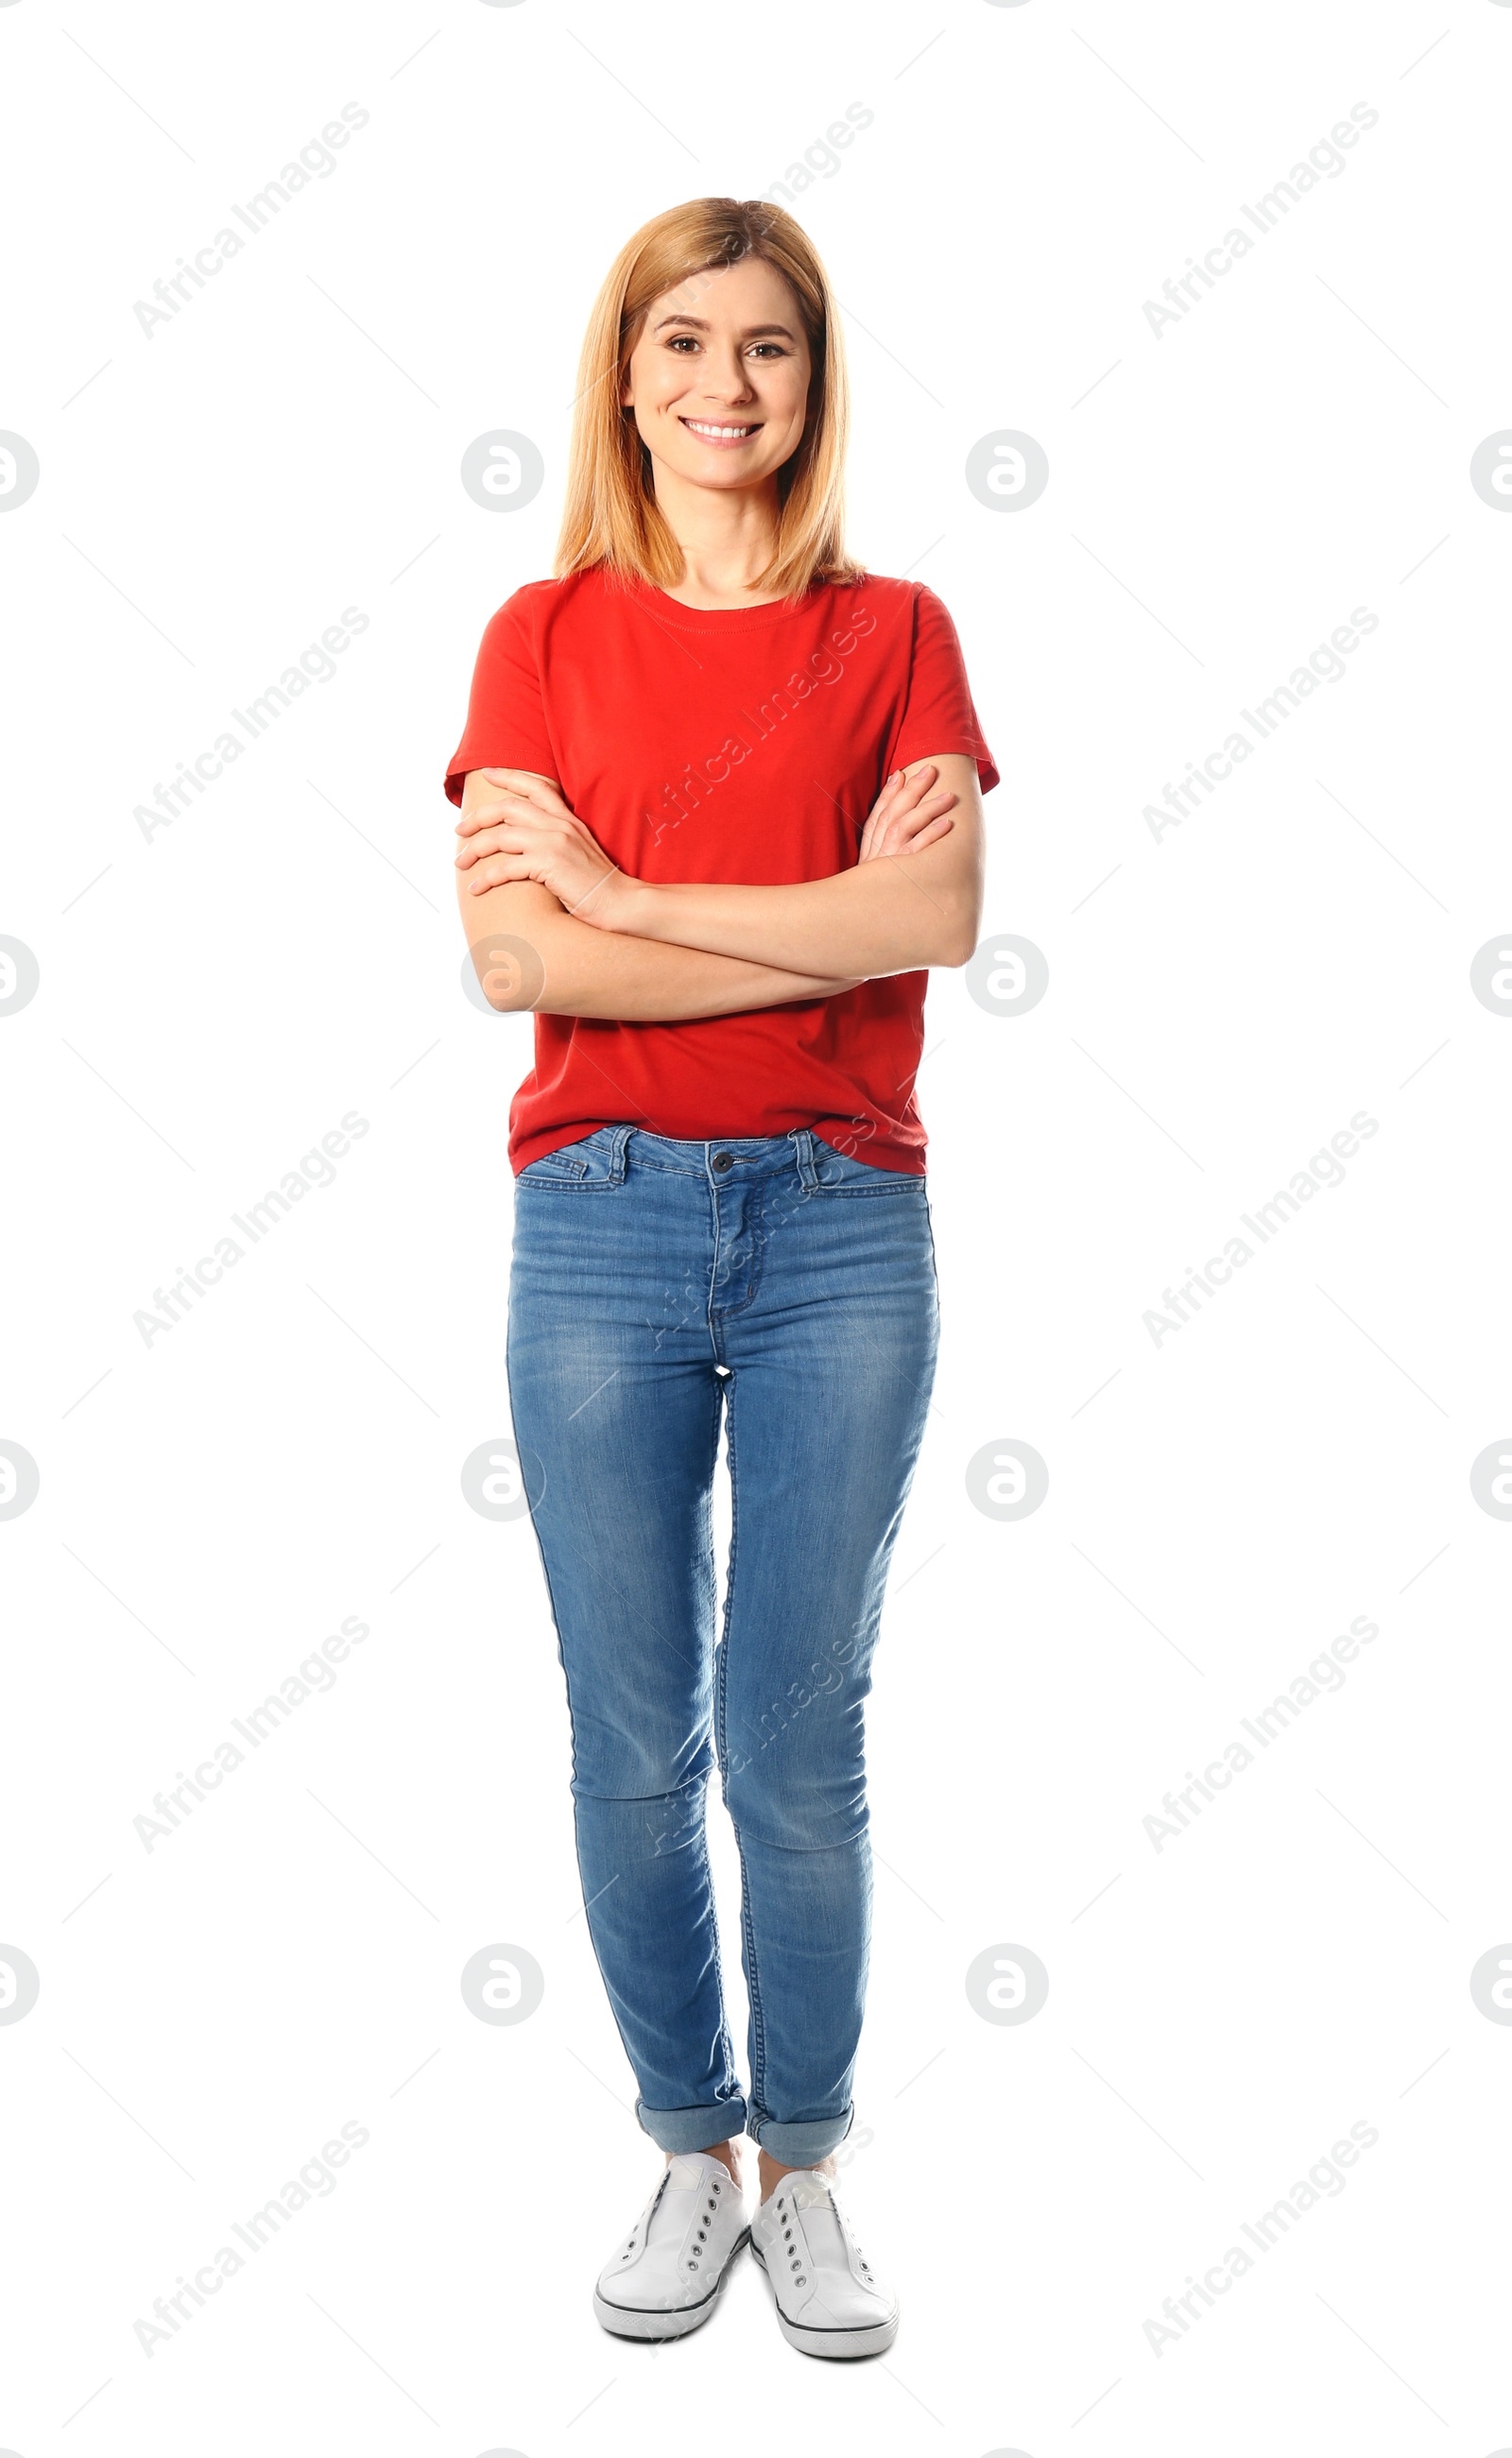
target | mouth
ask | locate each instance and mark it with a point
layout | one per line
(724, 435)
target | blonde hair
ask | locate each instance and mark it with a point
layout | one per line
(611, 518)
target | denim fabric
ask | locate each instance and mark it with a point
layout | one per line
(655, 1285)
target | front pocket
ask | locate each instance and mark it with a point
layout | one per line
(567, 1166)
(842, 1174)
(595, 1164)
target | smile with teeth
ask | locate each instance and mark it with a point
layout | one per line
(719, 434)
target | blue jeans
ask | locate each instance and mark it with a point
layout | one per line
(655, 1284)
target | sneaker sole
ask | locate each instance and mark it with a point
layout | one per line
(870, 2338)
(627, 2322)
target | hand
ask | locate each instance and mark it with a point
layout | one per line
(907, 815)
(526, 831)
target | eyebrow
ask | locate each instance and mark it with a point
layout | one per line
(751, 333)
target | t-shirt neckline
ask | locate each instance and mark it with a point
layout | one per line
(720, 619)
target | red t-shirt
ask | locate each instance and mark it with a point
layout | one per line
(746, 746)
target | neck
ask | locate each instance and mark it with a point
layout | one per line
(727, 536)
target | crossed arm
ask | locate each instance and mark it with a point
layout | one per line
(603, 944)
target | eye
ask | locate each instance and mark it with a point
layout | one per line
(677, 339)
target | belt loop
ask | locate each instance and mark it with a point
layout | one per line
(617, 1169)
(802, 1141)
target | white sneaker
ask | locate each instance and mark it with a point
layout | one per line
(666, 2278)
(829, 2299)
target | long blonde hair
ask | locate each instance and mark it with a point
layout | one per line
(611, 518)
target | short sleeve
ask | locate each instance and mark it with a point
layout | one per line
(938, 715)
(507, 725)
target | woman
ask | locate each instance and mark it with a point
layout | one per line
(721, 809)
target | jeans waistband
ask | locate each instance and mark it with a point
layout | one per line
(722, 1158)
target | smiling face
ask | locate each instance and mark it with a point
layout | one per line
(719, 381)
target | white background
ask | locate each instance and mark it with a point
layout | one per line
(1221, 1001)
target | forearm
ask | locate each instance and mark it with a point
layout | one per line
(889, 916)
(531, 955)
(911, 898)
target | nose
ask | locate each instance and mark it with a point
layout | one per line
(726, 378)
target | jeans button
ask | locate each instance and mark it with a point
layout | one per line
(723, 1161)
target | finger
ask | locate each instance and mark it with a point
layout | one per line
(915, 788)
(879, 821)
(878, 818)
(518, 780)
(937, 828)
(898, 804)
(504, 851)
(538, 798)
(884, 799)
(500, 871)
(906, 824)
(909, 840)
(941, 800)
(486, 814)
(544, 796)
(504, 838)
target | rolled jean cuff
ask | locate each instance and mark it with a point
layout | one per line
(689, 2129)
(798, 2146)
